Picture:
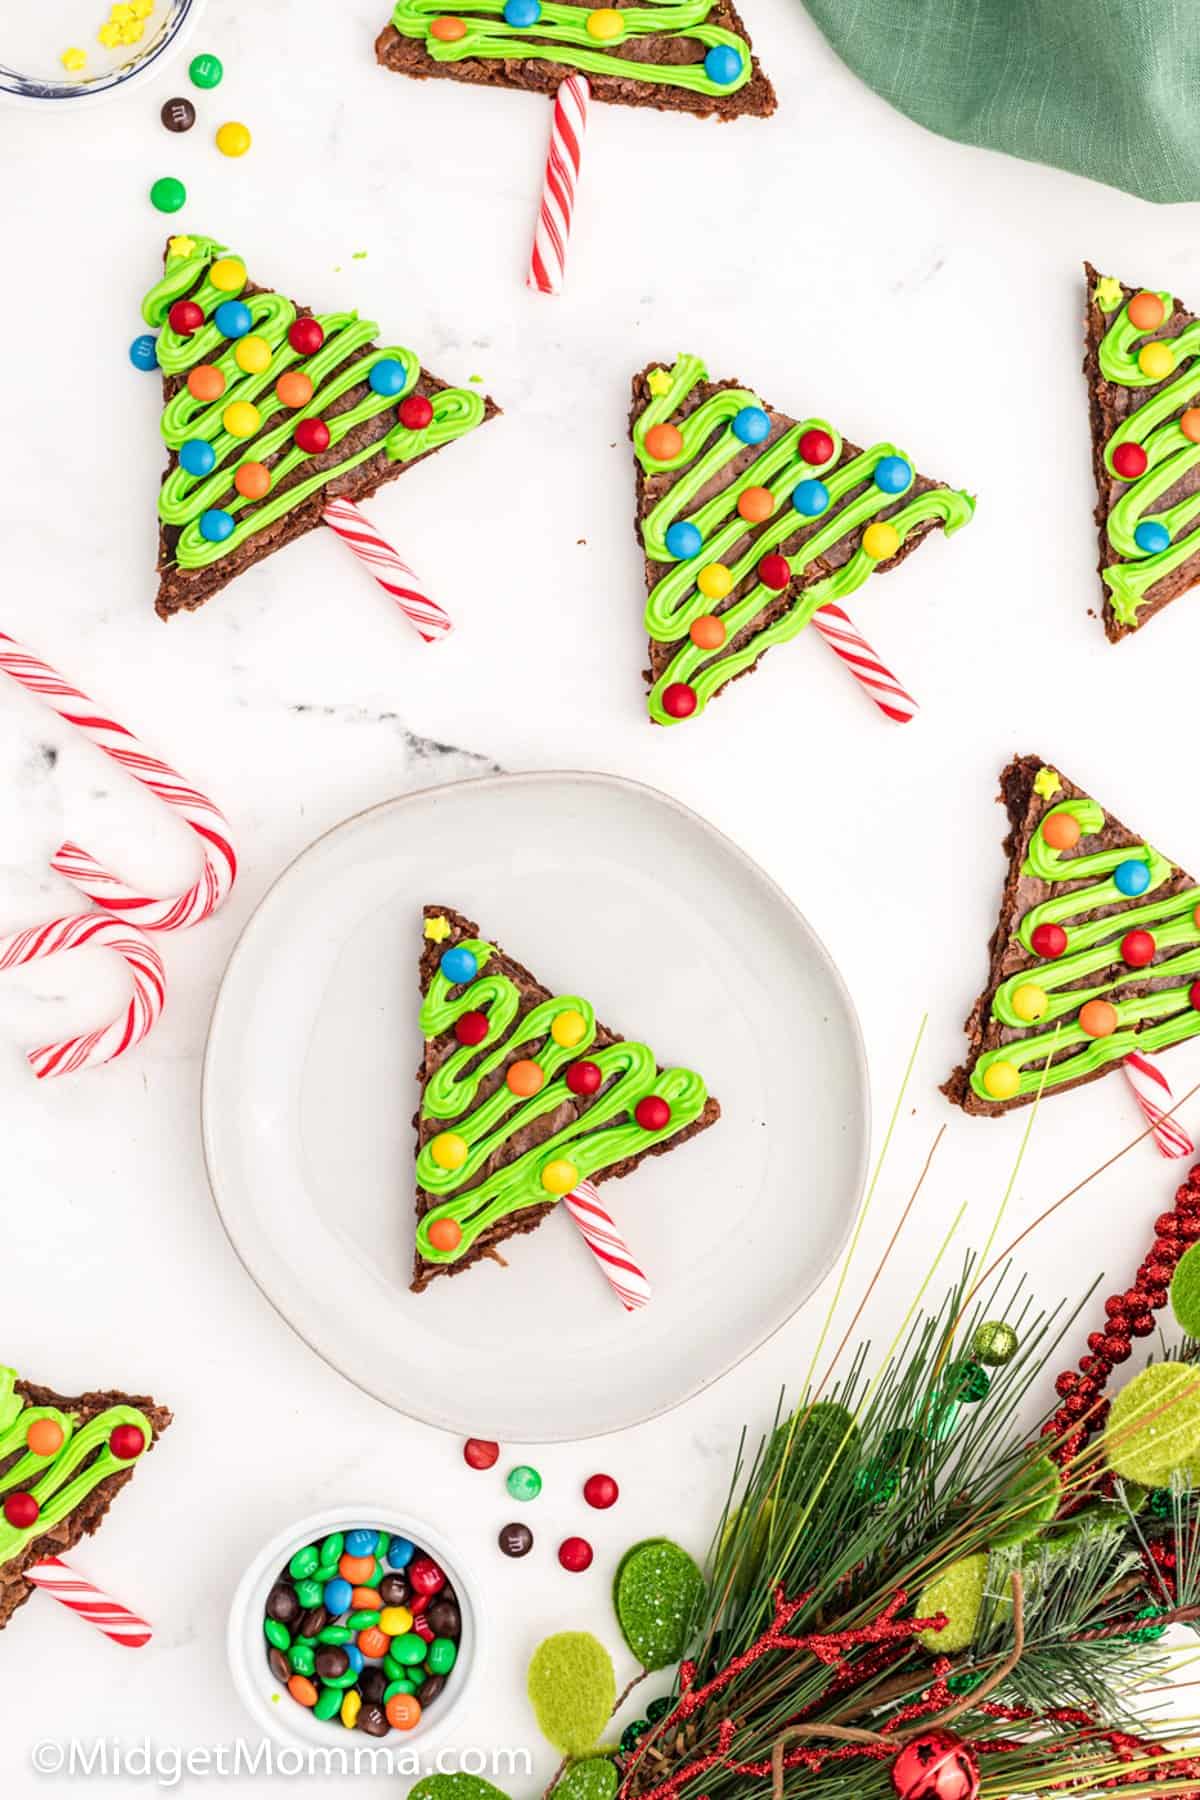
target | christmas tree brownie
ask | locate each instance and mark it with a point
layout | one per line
(62, 1464)
(523, 1095)
(750, 520)
(1144, 398)
(677, 55)
(1096, 951)
(270, 410)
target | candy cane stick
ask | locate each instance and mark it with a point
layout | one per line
(71, 860)
(1152, 1091)
(607, 1246)
(107, 1041)
(389, 570)
(848, 644)
(547, 265)
(54, 1576)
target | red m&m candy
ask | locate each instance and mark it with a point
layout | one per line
(679, 700)
(815, 446)
(21, 1511)
(652, 1113)
(1049, 940)
(415, 412)
(1129, 461)
(575, 1554)
(480, 1453)
(584, 1078)
(600, 1491)
(306, 336)
(424, 1576)
(126, 1442)
(1137, 949)
(312, 436)
(774, 571)
(1194, 995)
(472, 1028)
(185, 317)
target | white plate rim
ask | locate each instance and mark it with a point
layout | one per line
(530, 778)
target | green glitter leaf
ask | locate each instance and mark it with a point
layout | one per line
(1034, 1495)
(657, 1593)
(455, 1787)
(595, 1779)
(1185, 1291)
(1154, 1424)
(572, 1689)
(957, 1592)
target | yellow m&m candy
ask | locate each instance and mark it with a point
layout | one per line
(1001, 1080)
(881, 540)
(448, 1150)
(233, 138)
(253, 354)
(240, 419)
(569, 1029)
(715, 581)
(1156, 360)
(395, 1620)
(228, 274)
(560, 1177)
(1029, 1002)
(605, 24)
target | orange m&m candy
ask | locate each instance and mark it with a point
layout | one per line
(707, 632)
(403, 1711)
(1061, 831)
(1189, 424)
(363, 1599)
(302, 1689)
(356, 1568)
(448, 30)
(755, 504)
(1146, 311)
(373, 1642)
(294, 388)
(205, 382)
(664, 442)
(445, 1234)
(44, 1437)
(252, 480)
(1098, 1019)
(525, 1079)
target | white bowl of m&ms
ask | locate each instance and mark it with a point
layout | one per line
(357, 1619)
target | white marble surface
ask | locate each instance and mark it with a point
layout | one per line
(839, 259)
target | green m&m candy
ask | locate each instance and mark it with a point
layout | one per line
(205, 71)
(329, 1703)
(168, 194)
(304, 1562)
(302, 1659)
(309, 1593)
(276, 1634)
(408, 1649)
(443, 1653)
(398, 1687)
(524, 1483)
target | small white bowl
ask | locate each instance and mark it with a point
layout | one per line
(270, 1706)
(52, 88)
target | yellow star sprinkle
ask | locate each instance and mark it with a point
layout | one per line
(180, 246)
(1108, 295)
(658, 381)
(1046, 784)
(437, 930)
(74, 59)
(109, 35)
(142, 9)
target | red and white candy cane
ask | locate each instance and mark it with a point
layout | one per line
(556, 208)
(608, 1246)
(855, 654)
(1152, 1092)
(145, 966)
(57, 1578)
(388, 568)
(77, 864)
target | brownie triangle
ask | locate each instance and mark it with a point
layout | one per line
(28, 1469)
(1143, 383)
(749, 520)
(1096, 951)
(666, 68)
(522, 1094)
(269, 411)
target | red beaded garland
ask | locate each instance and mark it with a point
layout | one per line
(575, 1554)
(1137, 949)
(472, 1028)
(312, 436)
(306, 336)
(600, 1491)
(774, 571)
(126, 1442)
(815, 447)
(1048, 940)
(21, 1511)
(415, 412)
(584, 1078)
(480, 1453)
(679, 700)
(652, 1113)
(1129, 461)
(185, 317)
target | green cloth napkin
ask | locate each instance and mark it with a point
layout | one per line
(1106, 88)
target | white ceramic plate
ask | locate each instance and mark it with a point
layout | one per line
(603, 888)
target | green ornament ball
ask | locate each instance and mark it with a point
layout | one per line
(1150, 1632)
(658, 1709)
(524, 1483)
(957, 1592)
(994, 1342)
(965, 1682)
(572, 1689)
(168, 194)
(632, 1733)
(1185, 1291)
(1154, 1424)
(967, 1382)
(876, 1483)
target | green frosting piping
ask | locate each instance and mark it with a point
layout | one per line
(630, 1074)
(561, 36)
(1155, 426)
(83, 1454)
(675, 602)
(337, 367)
(1092, 968)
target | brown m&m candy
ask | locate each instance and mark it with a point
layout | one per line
(314, 1621)
(444, 1617)
(431, 1687)
(283, 1605)
(281, 1668)
(372, 1683)
(373, 1720)
(393, 1590)
(331, 1662)
(178, 114)
(515, 1539)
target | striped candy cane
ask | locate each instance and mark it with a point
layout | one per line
(77, 864)
(852, 649)
(547, 264)
(607, 1246)
(1152, 1092)
(53, 1576)
(107, 1041)
(389, 570)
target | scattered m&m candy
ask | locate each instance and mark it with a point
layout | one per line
(1030, 1002)
(569, 1028)
(708, 631)
(216, 525)
(515, 1539)
(449, 1150)
(233, 138)
(523, 1482)
(447, 30)
(600, 1491)
(241, 418)
(1156, 360)
(1189, 424)
(481, 1453)
(253, 355)
(525, 1078)
(178, 114)
(560, 1176)
(755, 504)
(294, 389)
(715, 580)
(445, 1235)
(1131, 877)
(575, 1554)
(683, 539)
(252, 480)
(168, 194)
(205, 71)
(605, 24)
(228, 274)
(44, 1437)
(205, 382)
(143, 352)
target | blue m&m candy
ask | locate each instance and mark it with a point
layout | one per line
(361, 1543)
(143, 352)
(1151, 536)
(400, 1552)
(893, 474)
(810, 498)
(723, 64)
(232, 319)
(356, 1657)
(522, 13)
(338, 1595)
(216, 525)
(387, 377)
(1131, 878)
(197, 457)
(683, 539)
(751, 425)
(459, 964)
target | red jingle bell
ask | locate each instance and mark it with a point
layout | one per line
(935, 1766)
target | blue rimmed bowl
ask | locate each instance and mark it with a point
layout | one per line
(30, 74)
